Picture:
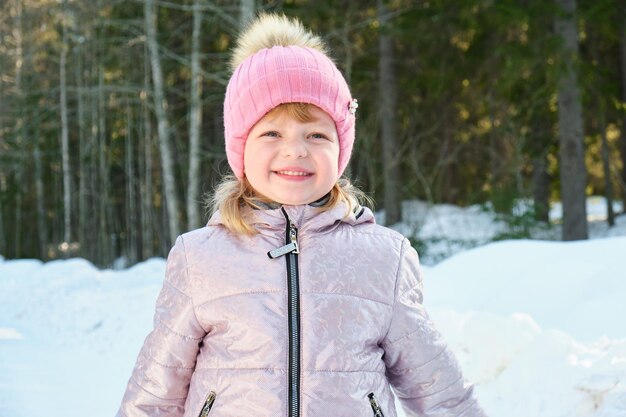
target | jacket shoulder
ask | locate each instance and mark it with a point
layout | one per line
(371, 238)
(198, 237)
(200, 241)
(380, 231)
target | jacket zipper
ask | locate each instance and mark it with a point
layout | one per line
(292, 250)
(294, 320)
(375, 407)
(208, 403)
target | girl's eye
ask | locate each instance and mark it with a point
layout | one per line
(319, 136)
(271, 133)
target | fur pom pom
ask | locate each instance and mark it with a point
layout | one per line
(269, 30)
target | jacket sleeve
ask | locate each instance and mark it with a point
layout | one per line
(160, 380)
(419, 365)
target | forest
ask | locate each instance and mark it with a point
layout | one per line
(111, 129)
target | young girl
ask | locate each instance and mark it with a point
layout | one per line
(292, 302)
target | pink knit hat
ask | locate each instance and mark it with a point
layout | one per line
(285, 74)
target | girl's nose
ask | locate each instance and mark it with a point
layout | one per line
(294, 147)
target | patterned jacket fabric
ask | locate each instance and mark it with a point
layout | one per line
(221, 335)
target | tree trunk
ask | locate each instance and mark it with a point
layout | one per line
(104, 203)
(346, 41)
(94, 184)
(94, 179)
(41, 210)
(496, 156)
(195, 123)
(606, 164)
(246, 11)
(163, 125)
(541, 188)
(19, 197)
(571, 153)
(622, 147)
(540, 140)
(19, 126)
(388, 102)
(3, 247)
(83, 151)
(147, 212)
(65, 143)
(3, 237)
(131, 209)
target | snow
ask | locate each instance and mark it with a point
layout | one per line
(445, 230)
(537, 321)
(537, 325)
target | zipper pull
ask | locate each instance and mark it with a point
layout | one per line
(293, 235)
(375, 407)
(291, 247)
(210, 399)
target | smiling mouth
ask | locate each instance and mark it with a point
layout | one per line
(294, 173)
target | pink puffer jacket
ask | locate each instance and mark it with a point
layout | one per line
(316, 316)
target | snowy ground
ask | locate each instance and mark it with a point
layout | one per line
(538, 325)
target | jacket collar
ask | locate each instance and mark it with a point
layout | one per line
(274, 205)
(306, 217)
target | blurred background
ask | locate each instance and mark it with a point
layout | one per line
(111, 114)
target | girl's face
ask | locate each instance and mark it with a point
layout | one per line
(292, 162)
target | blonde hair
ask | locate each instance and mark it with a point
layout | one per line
(232, 196)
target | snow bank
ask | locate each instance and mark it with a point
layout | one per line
(577, 287)
(522, 370)
(443, 230)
